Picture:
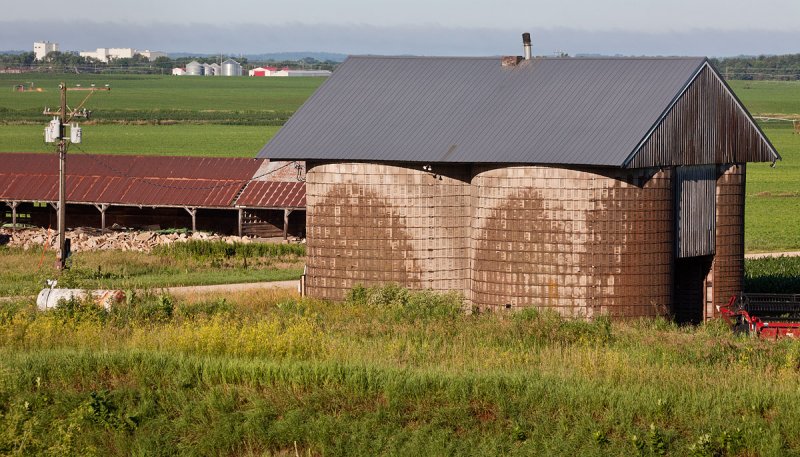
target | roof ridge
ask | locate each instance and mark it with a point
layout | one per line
(373, 56)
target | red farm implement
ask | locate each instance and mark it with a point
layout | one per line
(770, 316)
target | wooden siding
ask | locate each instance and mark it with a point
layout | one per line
(575, 241)
(728, 267)
(695, 214)
(705, 126)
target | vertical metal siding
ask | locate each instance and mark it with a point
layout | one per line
(706, 125)
(695, 207)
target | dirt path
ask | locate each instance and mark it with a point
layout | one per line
(216, 288)
(763, 255)
(233, 288)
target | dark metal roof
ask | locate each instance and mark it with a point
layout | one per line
(273, 194)
(592, 111)
(129, 180)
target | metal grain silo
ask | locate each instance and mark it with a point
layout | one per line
(194, 68)
(208, 70)
(231, 68)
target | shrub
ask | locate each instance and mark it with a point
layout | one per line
(407, 304)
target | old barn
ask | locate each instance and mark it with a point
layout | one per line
(586, 185)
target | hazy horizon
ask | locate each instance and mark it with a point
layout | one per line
(714, 28)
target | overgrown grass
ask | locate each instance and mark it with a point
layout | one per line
(268, 373)
(24, 272)
(208, 250)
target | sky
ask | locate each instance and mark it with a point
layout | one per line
(419, 27)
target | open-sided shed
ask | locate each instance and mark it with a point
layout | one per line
(586, 185)
(230, 195)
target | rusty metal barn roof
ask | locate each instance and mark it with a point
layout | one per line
(587, 111)
(128, 180)
(273, 194)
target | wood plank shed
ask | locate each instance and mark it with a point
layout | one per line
(586, 185)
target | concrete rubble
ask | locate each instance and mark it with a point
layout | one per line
(87, 239)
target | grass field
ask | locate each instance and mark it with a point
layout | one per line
(389, 373)
(193, 140)
(772, 202)
(142, 93)
(24, 272)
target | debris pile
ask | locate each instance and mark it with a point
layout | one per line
(88, 239)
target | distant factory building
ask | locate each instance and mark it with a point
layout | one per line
(178, 71)
(262, 71)
(42, 48)
(285, 71)
(109, 54)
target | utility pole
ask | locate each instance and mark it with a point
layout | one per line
(58, 131)
(61, 257)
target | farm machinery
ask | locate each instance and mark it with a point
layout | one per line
(769, 316)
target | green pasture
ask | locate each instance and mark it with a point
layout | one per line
(764, 98)
(144, 93)
(210, 140)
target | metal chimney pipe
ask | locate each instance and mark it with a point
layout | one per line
(526, 43)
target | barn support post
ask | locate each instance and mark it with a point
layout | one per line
(240, 221)
(192, 212)
(13, 206)
(102, 208)
(55, 208)
(286, 214)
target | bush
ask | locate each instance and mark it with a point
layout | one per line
(407, 304)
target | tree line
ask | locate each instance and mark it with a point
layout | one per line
(782, 67)
(56, 61)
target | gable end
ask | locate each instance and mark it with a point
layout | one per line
(706, 124)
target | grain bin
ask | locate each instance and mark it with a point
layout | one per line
(194, 68)
(231, 68)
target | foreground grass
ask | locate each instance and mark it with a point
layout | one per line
(24, 272)
(387, 373)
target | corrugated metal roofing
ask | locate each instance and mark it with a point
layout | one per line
(272, 194)
(592, 111)
(129, 180)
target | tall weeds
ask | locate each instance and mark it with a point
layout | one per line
(390, 371)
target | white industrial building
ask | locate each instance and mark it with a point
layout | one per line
(108, 54)
(285, 71)
(42, 48)
(178, 71)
